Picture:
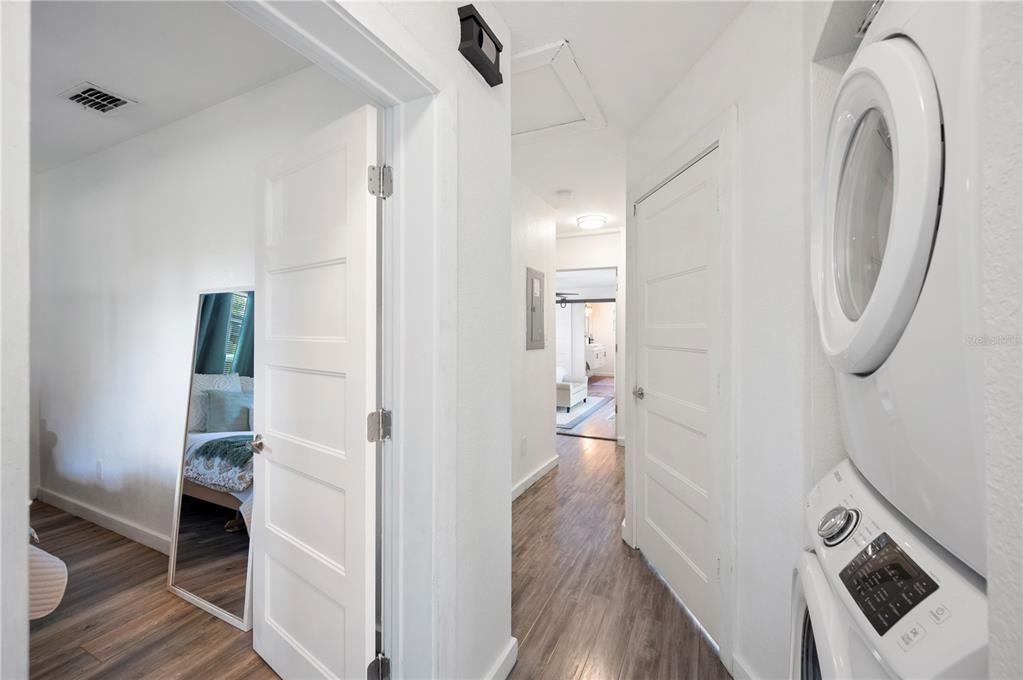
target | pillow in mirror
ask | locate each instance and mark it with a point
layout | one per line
(228, 411)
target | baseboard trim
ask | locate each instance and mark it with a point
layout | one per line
(505, 662)
(740, 668)
(107, 520)
(627, 534)
(535, 475)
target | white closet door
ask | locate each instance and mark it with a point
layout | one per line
(677, 490)
(314, 521)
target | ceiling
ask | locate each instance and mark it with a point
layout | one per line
(631, 55)
(173, 58)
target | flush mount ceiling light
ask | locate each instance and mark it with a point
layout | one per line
(592, 222)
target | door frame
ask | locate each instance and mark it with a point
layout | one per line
(718, 136)
(366, 48)
(620, 329)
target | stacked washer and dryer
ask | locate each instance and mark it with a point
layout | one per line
(892, 584)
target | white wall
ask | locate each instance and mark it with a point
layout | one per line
(758, 66)
(533, 227)
(602, 326)
(589, 252)
(1001, 133)
(571, 340)
(828, 34)
(14, 337)
(123, 241)
(473, 599)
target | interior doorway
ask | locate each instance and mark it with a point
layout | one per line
(586, 316)
(400, 94)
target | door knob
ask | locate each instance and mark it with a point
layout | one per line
(638, 392)
(257, 444)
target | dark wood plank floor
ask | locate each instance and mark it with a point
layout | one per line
(585, 605)
(212, 563)
(600, 423)
(118, 620)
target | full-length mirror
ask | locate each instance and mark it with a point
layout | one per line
(210, 552)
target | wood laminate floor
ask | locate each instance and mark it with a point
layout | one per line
(212, 562)
(600, 423)
(118, 620)
(585, 605)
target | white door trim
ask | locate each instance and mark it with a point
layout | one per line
(15, 103)
(362, 45)
(367, 48)
(720, 134)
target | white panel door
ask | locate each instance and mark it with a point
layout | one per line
(314, 521)
(676, 490)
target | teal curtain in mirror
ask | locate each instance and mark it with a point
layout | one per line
(214, 320)
(225, 337)
(243, 363)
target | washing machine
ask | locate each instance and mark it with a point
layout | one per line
(896, 268)
(875, 597)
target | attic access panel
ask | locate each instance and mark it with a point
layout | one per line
(552, 93)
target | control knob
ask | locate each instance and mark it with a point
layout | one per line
(837, 524)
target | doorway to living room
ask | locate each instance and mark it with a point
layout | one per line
(586, 350)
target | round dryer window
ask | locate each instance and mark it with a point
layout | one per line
(864, 211)
(881, 203)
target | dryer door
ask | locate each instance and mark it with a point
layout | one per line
(882, 194)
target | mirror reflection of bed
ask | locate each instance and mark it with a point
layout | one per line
(210, 556)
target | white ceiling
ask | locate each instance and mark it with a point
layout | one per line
(174, 58)
(632, 54)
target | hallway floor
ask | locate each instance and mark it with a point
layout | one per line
(118, 620)
(601, 423)
(585, 605)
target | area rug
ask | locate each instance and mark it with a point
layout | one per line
(568, 419)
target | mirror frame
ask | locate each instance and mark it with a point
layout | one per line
(245, 621)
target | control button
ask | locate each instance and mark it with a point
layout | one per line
(939, 613)
(833, 522)
(837, 525)
(911, 636)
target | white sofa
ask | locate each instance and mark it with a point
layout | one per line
(571, 389)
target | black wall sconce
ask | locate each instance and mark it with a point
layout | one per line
(480, 46)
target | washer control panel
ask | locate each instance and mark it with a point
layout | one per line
(885, 583)
(922, 613)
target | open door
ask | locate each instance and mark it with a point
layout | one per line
(313, 554)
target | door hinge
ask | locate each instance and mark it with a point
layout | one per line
(378, 425)
(379, 668)
(381, 181)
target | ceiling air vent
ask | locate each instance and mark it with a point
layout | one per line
(90, 96)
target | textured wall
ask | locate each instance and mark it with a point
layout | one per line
(1001, 131)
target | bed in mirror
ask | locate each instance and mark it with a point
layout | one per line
(209, 559)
